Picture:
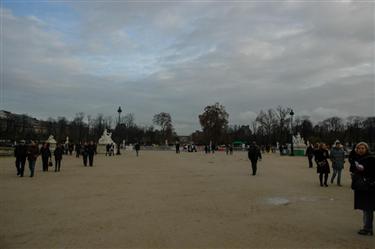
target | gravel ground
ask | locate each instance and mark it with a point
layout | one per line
(168, 200)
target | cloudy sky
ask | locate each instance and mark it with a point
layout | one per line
(59, 58)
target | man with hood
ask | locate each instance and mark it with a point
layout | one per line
(253, 155)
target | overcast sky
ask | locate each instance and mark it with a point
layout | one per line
(61, 58)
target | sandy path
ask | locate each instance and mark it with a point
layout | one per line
(164, 200)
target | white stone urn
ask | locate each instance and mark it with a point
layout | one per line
(52, 143)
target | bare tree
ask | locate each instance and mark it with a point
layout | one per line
(62, 128)
(267, 121)
(282, 116)
(164, 120)
(128, 120)
(79, 126)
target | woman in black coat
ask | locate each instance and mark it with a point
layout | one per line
(362, 163)
(321, 159)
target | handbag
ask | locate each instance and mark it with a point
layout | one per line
(322, 166)
(360, 183)
(50, 163)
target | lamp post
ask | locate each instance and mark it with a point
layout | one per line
(119, 114)
(118, 129)
(291, 132)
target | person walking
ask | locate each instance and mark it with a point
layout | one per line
(20, 152)
(362, 164)
(177, 147)
(321, 159)
(137, 147)
(71, 148)
(66, 149)
(46, 156)
(206, 150)
(254, 155)
(32, 155)
(118, 146)
(112, 149)
(85, 153)
(310, 155)
(338, 160)
(78, 149)
(91, 152)
(58, 153)
(107, 148)
(213, 148)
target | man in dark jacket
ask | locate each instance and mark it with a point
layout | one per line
(177, 147)
(46, 156)
(58, 153)
(137, 147)
(32, 155)
(91, 152)
(85, 153)
(254, 154)
(20, 152)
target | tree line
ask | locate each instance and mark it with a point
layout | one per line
(277, 125)
(85, 128)
(269, 127)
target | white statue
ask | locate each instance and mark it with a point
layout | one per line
(106, 137)
(51, 140)
(298, 140)
(67, 140)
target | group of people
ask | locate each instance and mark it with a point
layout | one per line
(30, 152)
(322, 156)
(362, 166)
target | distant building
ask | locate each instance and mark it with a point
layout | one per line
(184, 139)
(11, 122)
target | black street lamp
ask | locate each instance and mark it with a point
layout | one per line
(119, 113)
(118, 129)
(291, 132)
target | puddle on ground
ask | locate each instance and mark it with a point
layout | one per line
(277, 201)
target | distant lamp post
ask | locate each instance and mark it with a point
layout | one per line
(291, 132)
(118, 127)
(119, 114)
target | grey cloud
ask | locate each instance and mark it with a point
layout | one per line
(316, 58)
